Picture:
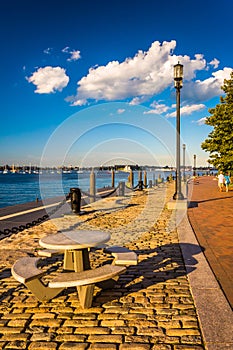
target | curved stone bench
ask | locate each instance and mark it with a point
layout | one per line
(49, 253)
(122, 256)
(25, 271)
(85, 281)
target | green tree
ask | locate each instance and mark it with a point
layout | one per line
(220, 140)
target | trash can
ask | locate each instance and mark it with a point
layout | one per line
(75, 196)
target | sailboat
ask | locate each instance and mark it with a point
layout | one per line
(13, 170)
(127, 168)
(5, 171)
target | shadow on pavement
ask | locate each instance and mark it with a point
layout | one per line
(157, 265)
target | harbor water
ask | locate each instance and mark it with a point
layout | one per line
(19, 188)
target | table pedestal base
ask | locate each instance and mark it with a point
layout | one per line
(76, 260)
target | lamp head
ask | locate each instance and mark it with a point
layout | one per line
(178, 75)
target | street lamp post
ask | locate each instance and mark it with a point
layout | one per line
(194, 164)
(178, 80)
(184, 161)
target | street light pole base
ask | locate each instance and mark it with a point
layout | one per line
(178, 196)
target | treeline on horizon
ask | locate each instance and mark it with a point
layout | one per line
(117, 167)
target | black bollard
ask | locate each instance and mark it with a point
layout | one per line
(140, 185)
(75, 195)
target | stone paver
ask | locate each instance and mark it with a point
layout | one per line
(150, 307)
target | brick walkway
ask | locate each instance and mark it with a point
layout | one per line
(211, 218)
(151, 306)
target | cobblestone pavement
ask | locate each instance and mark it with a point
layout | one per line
(150, 307)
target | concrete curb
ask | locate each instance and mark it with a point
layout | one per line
(214, 312)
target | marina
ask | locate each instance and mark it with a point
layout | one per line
(18, 187)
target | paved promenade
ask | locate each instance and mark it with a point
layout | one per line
(154, 305)
(211, 217)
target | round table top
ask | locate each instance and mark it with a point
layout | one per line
(74, 239)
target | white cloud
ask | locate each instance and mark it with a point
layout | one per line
(201, 121)
(157, 108)
(66, 49)
(214, 63)
(74, 54)
(137, 100)
(79, 102)
(146, 74)
(187, 110)
(49, 79)
(208, 88)
(120, 111)
(48, 51)
(142, 76)
(191, 66)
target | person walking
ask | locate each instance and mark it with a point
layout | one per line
(227, 181)
(221, 181)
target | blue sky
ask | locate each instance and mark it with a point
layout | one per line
(91, 82)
